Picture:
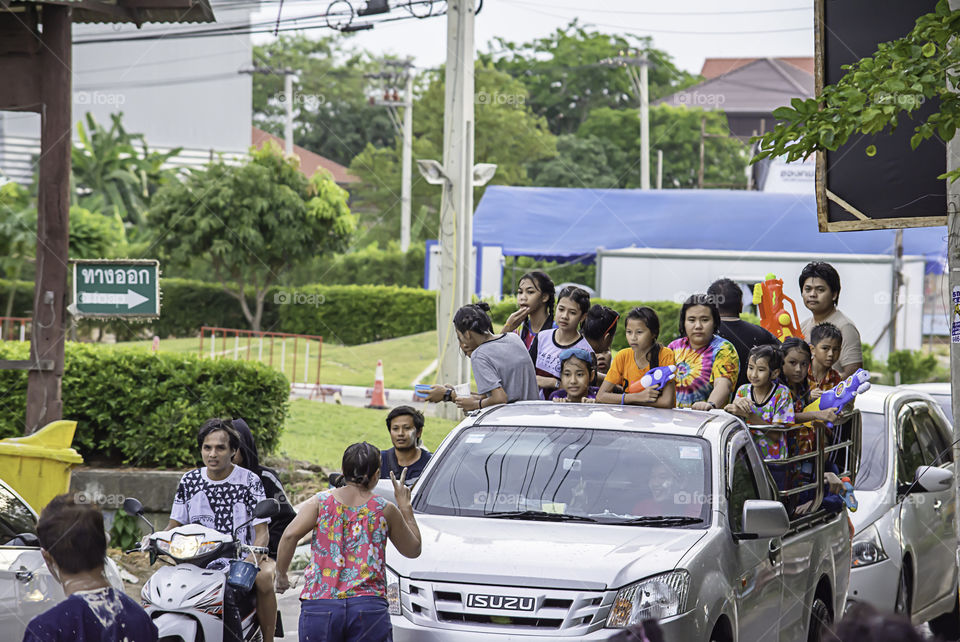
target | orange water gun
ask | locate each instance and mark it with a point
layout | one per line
(769, 298)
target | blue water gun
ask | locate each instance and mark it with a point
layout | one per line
(655, 378)
(841, 394)
(848, 497)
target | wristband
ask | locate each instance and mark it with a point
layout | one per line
(622, 397)
(480, 404)
(712, 405)
(446, 395)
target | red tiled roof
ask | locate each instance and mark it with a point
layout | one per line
(713, 67)
(309, 162)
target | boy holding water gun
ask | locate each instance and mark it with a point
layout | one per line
(825, 342)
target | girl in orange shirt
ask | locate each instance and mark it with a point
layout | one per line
(630, 364)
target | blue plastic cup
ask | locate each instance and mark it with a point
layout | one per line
(421, 390)
(242, 575)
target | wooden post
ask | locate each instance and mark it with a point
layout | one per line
(44, 403)
(703, 137)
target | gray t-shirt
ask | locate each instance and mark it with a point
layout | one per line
(850, 349)
(505, 363)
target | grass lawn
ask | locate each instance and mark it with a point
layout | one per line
(403, 358)
(320, 432)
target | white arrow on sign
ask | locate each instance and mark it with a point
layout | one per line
(131, 299)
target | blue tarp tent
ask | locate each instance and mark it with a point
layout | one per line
(562, 224)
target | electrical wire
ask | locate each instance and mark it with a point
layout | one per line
(667, 13)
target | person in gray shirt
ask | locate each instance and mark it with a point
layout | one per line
(501, 364)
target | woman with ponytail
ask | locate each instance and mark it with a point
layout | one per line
(501, 364)
(344, 594)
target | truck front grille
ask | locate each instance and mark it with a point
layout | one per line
(519, 610)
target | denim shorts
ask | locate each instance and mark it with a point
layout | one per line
(353, 619)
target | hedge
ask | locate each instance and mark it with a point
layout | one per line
(353, 314)
(143, 409)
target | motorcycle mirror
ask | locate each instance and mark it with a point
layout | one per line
(132, 506)
(266, 508)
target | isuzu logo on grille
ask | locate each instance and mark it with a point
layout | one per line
(503, 602)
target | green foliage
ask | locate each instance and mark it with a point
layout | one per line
(125, 531)
(515, 267)
(112, 175)
(93, 235)
(914, 366)
(144, 409)
(506, 133)
(571, 72)
(580, 162)
(352, 314)
(257, 220)
(667, 311)
(675, 130)
(365, 266)
(876, 93)
(332, 115)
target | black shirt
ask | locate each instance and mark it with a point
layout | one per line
(389, 463)
(744, 336)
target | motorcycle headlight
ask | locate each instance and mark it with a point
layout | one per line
(184, 546)
(393, 592)
(654, 598)
(163, 545)
(867, 548)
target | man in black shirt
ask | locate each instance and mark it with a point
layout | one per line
(742, 334)
(405, 425)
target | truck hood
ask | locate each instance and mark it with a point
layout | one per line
(543, 554)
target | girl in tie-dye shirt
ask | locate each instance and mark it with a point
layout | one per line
(707, 364)
(765, 401)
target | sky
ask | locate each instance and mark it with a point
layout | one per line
(689, 30)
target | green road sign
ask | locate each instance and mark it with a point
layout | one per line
(116, 289)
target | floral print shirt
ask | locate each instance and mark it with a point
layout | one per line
(347, 551)
(777, 408)
(698, 369)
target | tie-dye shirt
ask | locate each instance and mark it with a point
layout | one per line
(698, 369)
(777, 408)
(347, 551)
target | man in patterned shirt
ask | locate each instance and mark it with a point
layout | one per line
(221, 496)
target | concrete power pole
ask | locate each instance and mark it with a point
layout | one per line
(288, 124)
(644, 124)
(456, 212)
(405, 179)
(953, 265)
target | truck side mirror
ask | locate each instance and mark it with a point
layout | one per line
(932, 479)
(764, 518)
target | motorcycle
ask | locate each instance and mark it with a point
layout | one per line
(186, 600)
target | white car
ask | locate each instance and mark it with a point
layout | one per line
(26, 587)
(905, 543)
(940, 391)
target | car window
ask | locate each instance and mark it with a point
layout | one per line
(932, 435)
(15, 517)
(910, 455)
(743, 486)
(873, 451)
(607, 475)
(946, 404)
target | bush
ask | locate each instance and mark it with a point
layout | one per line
(144, 409)
(367, 266)
(353, 314)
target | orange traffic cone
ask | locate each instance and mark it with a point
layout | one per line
(378, 400)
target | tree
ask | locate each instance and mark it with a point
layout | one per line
(110, 173)
(251, 222)
(876, 93)
(676, 131)
(505, 133)
(569, 74)
(332, 116)
(580, 162)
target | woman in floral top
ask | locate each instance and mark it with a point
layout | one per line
(344, 596)
(707, 364)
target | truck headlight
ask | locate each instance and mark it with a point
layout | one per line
(867, 548)
(654, 598)
(393, 591)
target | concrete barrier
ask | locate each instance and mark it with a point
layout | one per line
(108, 487)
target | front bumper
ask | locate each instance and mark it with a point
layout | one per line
(876, 584)
(682, 628)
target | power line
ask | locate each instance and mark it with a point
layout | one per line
(667, 13)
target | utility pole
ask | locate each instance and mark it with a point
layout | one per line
(895, 294)
(644, 124)
(659, 169)
(456, 212)
(289, 77)
(391, 101)
(953, 265)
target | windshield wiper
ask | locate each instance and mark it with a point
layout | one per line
(541, 515)
(661, 520)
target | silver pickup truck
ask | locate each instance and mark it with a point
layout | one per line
(543, 520)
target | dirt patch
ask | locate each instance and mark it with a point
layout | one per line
(137, 565)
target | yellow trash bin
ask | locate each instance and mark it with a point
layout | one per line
(38, 466)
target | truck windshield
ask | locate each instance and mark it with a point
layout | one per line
(572, 475)
(873, 455)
